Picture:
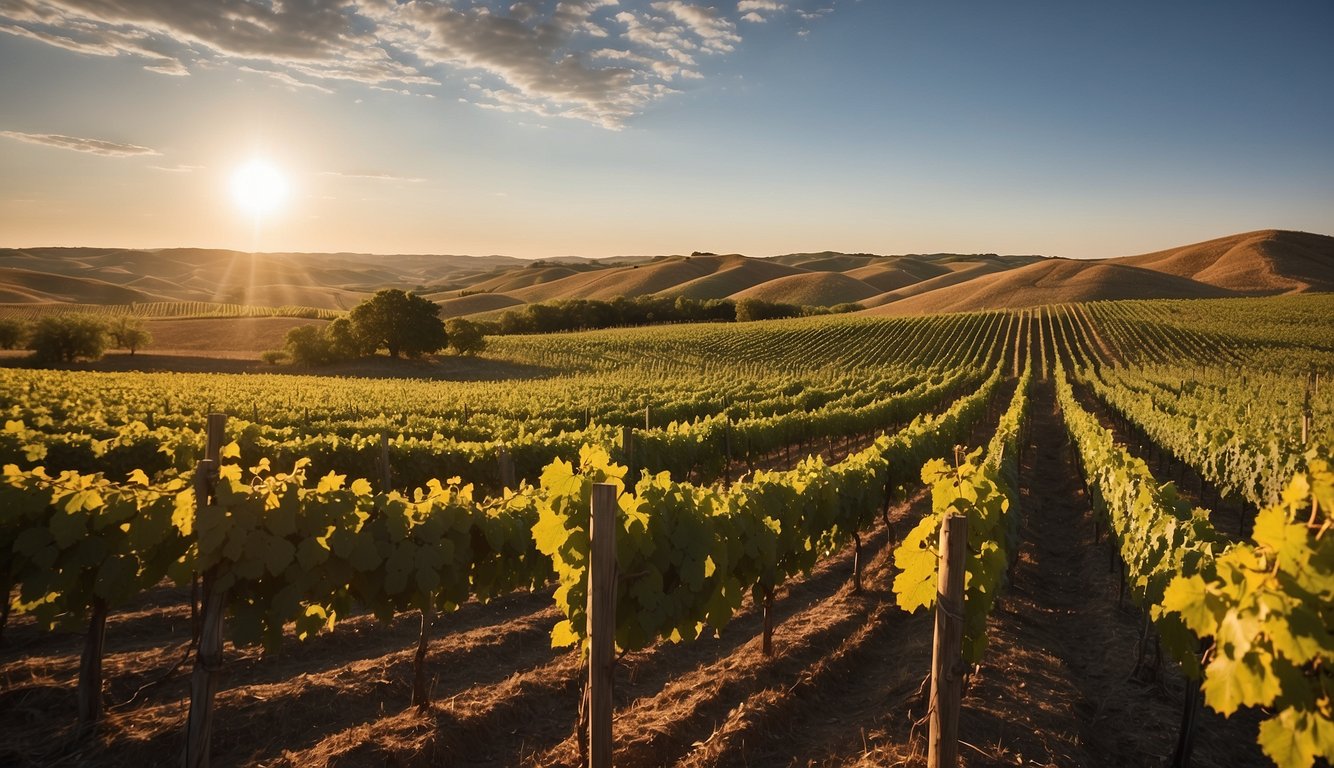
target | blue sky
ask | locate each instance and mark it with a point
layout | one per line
(603, 128)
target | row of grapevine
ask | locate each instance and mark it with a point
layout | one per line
(161, 310)
(700, 449)
(1263, 607)
(984, 487)
(281, 549)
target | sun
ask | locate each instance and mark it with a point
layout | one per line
(258, 188)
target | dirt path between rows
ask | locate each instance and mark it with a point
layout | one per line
(1056, 687)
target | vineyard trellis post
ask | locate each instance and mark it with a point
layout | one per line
(601, 622)
(628, 443)
(947, 648)
(208, 657)
(507, 476)
(386, 475)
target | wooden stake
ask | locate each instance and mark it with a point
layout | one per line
(767, 606)
(947, 650)
(507, 476)
(628, 444)
(208, 656)
(386, 475)
(856, 563)
(90, 668)
(217, 431)
(648, 424)
(421, 695)
(601, 622)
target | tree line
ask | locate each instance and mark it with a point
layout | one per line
(589, 314)
(65, 338)
(404, 324)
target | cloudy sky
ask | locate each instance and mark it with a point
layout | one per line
(615, 127)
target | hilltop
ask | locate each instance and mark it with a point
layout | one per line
(1265, 262)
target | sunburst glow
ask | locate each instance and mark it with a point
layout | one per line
(258, 188)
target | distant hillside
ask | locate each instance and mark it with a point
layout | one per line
(1252, 263)
(324, 280)
(1260, 263)
(1268, 261)
(817, 289)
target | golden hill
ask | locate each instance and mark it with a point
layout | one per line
(475, 303)
(735, 273)
(634, 280)
(1050, 282)
(1253, 263)
(816, 289)
(952, 274)
(1268, 261)
(1263, 262)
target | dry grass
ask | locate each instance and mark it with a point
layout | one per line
(476, 303)
(886, 277)
(229, 334)
(1051, 282)
(823, 289)
(737, 274)
(1264, 262)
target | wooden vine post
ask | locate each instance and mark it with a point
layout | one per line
(421, 692)
(947, 649)
(508, 478)
(90, 668)
(386, 474)
(628, 444)
(601, 622)
(208, 657)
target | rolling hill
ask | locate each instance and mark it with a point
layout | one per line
(1252, 263)
(1261, 263)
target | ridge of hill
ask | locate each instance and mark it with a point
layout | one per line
(816, 289)
(1262, 262)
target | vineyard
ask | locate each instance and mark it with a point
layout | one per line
(282, 570)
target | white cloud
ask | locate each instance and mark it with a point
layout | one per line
(77, 144)
(603, 61)
(373, 176)
(758, 5)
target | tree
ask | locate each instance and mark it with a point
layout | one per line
(400, 322)
(465, 338)
(12, 332)
(66, 338)
(345, 340)
(129, 333)
(307, 345)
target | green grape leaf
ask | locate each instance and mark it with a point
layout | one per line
(563, 634)
(1292, 739)
(1233, 683)
(1188, 596)
(278, 553)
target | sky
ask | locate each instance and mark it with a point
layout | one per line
(540, 128)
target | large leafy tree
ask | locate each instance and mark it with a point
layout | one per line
(403, 323)
(465, 338)
(66, 338)
(129, 333)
